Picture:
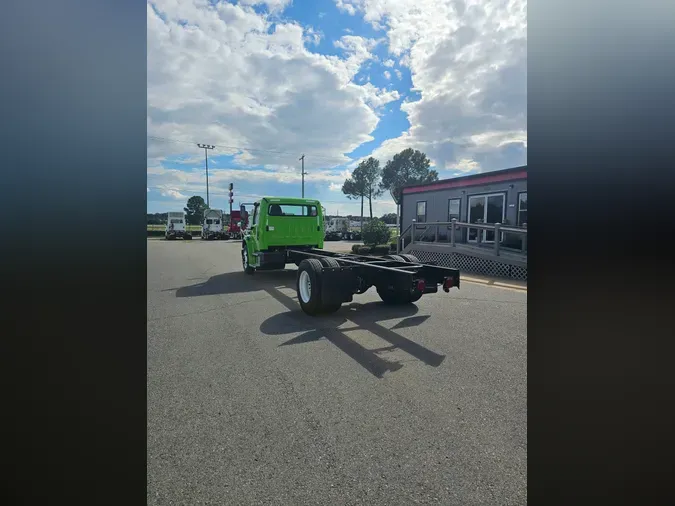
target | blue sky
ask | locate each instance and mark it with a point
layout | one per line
(266, 81)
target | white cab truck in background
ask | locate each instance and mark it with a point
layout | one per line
(212, 228)
(176, 227)
(337, 228)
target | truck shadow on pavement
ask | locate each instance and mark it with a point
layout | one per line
(363, 316)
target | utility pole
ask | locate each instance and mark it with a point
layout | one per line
(303, 173)
(206, 158)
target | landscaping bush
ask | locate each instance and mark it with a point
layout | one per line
(376, 232)
(363, 250)
(356, 247)
(382, 249)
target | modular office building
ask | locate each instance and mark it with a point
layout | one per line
(492, 197)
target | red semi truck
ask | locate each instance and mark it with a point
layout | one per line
(236, 231)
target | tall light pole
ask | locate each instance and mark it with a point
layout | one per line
(206, 158)
(303, 174)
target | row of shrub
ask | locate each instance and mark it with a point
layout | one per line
(380, 249)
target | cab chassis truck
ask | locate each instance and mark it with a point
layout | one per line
(325, 279)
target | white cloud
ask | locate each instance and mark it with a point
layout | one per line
(468, 60)
(313, 36)
(388, 63)
(172, 193)
(387, 75)
(346, 5)
(335, 187)
(228, 76)
(194, 180)
(398, 74)
(275, 6)
(377, 97)
(464, 165)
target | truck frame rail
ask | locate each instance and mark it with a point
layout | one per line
(327, 279)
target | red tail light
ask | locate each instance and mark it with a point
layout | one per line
(421, 285)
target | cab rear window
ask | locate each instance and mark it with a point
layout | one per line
(292, 210)
(174, 221)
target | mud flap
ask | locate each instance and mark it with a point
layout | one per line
(337, 286)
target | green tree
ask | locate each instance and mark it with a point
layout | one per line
(195, 210)
(370, 172)
(389, 218)
(406, 168)
(376, 232)
(355, 188)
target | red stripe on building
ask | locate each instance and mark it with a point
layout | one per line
(460, 183)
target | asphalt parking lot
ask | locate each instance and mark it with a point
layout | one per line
(252, 402)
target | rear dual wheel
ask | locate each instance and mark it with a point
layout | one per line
(399, 297)
(309, 286)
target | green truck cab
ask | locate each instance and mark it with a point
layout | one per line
(275, 224)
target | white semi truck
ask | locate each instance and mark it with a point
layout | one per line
(335, 228)
(176, 226)
(338, 228)
(212, 228)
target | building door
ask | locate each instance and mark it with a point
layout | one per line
(489, 209)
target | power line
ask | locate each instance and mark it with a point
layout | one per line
(244, 148)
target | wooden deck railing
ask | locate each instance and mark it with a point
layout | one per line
(410, 234)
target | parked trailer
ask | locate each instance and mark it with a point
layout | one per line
(289, 231)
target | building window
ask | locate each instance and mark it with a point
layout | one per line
(453, 209)
(522, 209)
(421, 212)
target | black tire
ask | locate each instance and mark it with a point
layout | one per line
(415, 296)
(245, 262)
(330, 308)
(309, 271)
(330, 263)
(398, 297)
(392, 297)
(412, 259)
(409, 258)
(187, 237)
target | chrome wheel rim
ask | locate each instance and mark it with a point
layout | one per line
(305, 287)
